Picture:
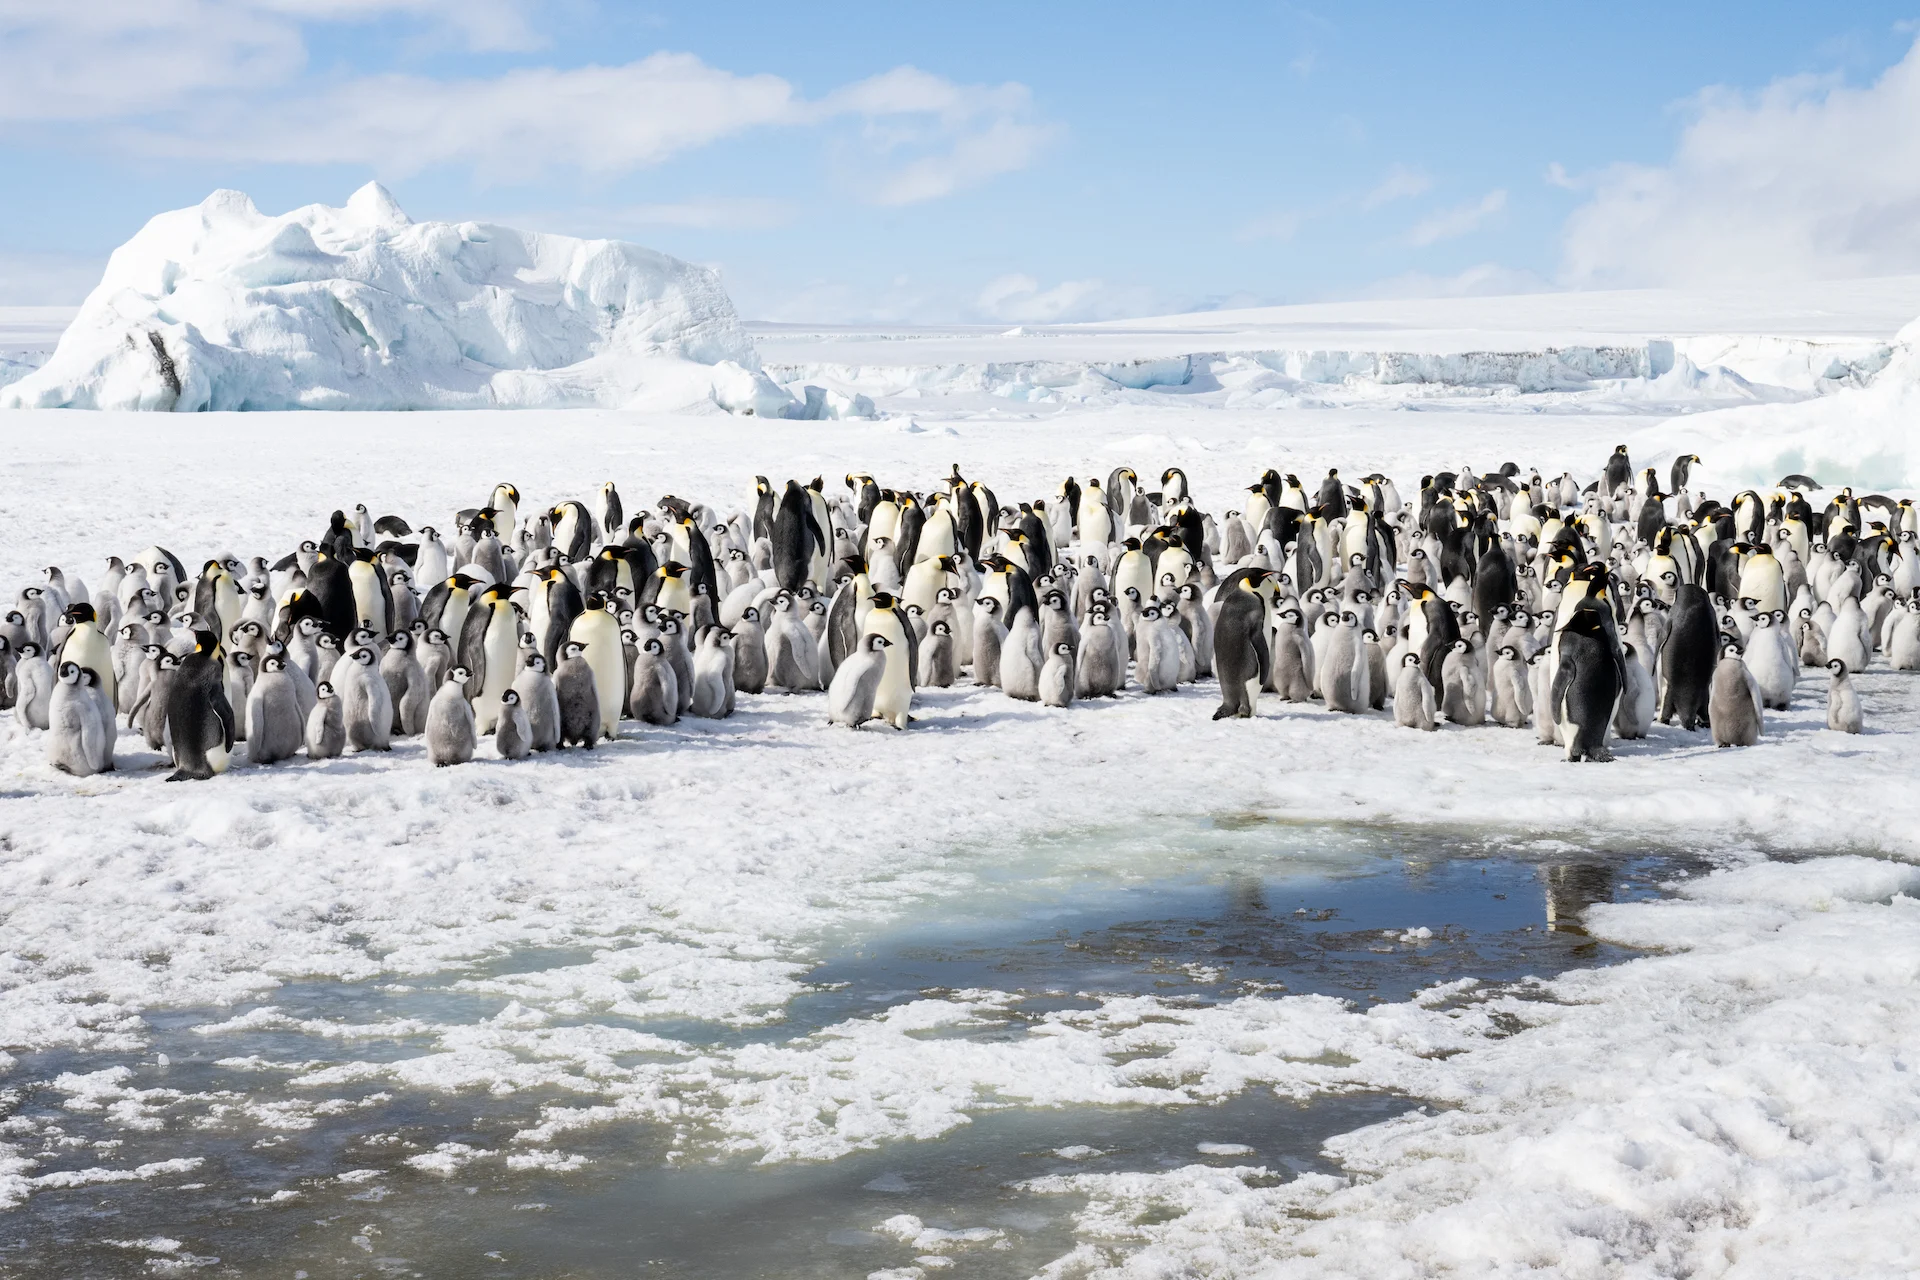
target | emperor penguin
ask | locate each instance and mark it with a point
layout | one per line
(989, 639)
(1737, 720)
(450, 731)
(750, 668)
(490, 651)
(1512, 695)
(576, 685)
(598, 634)
(372, 597)
(538, 699)
(1843, 702)
(1241, 658)
(893, 700)
(86, 647)
(856, 684)
(33, 681)
(1157, 662)
(1687, 658)
(275, 727)
(713, 675)
(366, 708)
(1413, 706)
(1021, 657)
(513, 732)
(792, 656)
(655, 694)
(326, 725)
(407, 687)
(81, 728)
(1103, 656)
(1057, 678)
(1587, 682)
(199, 719)
(1635, 714)
(937, 656)
(1464, 700)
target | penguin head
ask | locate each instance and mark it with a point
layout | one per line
(1410, 659)
(883, 600)
(78, 613)
(509, 697)
(323, 690)
(208, 642)
(436, 636)
(1838, 666)
(875, 643)
(534, 661)
(69, 673)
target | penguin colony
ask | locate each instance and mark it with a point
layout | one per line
(1578, 613)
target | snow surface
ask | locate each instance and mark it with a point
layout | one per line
(223, 307)
(1740, 1101)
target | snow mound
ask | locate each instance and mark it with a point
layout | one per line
(1867, 437)
(223, 307)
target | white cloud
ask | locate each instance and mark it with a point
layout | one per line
(1557, 176)
(223, 80)
(600, 119)
(1450, 224)
(1807, 178)
(108, 59)
(1399, 183)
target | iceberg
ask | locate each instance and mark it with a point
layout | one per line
(222, 307)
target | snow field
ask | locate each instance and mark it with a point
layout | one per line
(1678, 1112)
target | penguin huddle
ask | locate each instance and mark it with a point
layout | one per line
(1582, 613)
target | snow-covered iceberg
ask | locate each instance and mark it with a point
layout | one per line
(1868, 437)
(223, 307)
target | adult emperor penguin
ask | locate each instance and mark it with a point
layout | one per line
(795, 532)
(216, 599)
(87, 648)
(1588, 681)
(1681, 469)
(893, 699)
(1687, 658)
(199, 717)
(490, 651)
(1619, 473)
(1240, 656)
(597, 631)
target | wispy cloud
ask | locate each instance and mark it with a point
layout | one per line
(1451, 224)
(1809, 178)
(1400, 183)
(222, 80)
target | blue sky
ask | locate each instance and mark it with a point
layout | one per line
(990, 162)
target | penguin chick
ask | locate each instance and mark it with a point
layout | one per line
(512, 734)
(450, 724)
(1733, 708)
(937, 664)
(1057, 678)
(274, 727)
(655, 693)
(1413, 696)
(1843, 702)
(326, 726)
(81, 725)
(574, 684)
(850, 697)
(713, 676)
(539, 701)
